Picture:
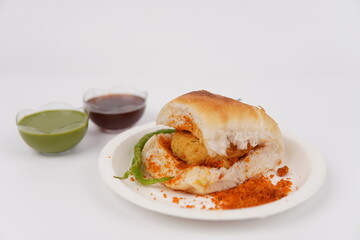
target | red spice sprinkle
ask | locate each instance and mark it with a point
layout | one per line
(253, 192)
(164, 195)
(132, 179)
(175, 200)
(282, 171)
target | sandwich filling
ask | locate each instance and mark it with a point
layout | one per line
(190, 151)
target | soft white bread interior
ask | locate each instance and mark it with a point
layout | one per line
(219, 123)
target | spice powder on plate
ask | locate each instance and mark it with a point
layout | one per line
(253, 192)
(282, 171)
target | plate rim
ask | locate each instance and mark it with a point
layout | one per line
(310, 187)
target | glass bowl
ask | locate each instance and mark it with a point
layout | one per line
(115, 108)
(54, 128)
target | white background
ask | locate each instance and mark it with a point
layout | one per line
(300, 60)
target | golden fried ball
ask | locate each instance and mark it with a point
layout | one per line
(188, 148)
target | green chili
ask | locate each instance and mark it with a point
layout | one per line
(135, 168)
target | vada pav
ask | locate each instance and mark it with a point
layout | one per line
(218, 143)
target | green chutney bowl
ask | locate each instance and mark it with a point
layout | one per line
(54, 128)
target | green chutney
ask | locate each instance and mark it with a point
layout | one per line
(53, 131)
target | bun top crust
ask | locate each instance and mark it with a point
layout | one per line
(220, 121)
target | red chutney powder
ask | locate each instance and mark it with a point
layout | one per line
(253, 192)
(282, 171)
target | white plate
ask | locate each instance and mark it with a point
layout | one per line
(307, 172)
